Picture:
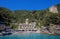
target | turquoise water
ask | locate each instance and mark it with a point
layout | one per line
(31, 36)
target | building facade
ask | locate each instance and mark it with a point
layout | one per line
(55, 29)
(27, 25)
(53, 9)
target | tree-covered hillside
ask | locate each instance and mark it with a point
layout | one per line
(41, 17)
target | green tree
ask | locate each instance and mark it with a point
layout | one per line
(6, 16)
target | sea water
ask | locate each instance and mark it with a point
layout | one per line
(30, 36)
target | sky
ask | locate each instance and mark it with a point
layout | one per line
(28, 4)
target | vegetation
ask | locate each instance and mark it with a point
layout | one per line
(6, 16)
(14, 26)
(41, 17)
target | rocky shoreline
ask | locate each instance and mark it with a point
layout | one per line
(30, 32)
(47, 32)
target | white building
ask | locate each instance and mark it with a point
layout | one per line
(53, 9)
(55, 28)
(27, 25)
